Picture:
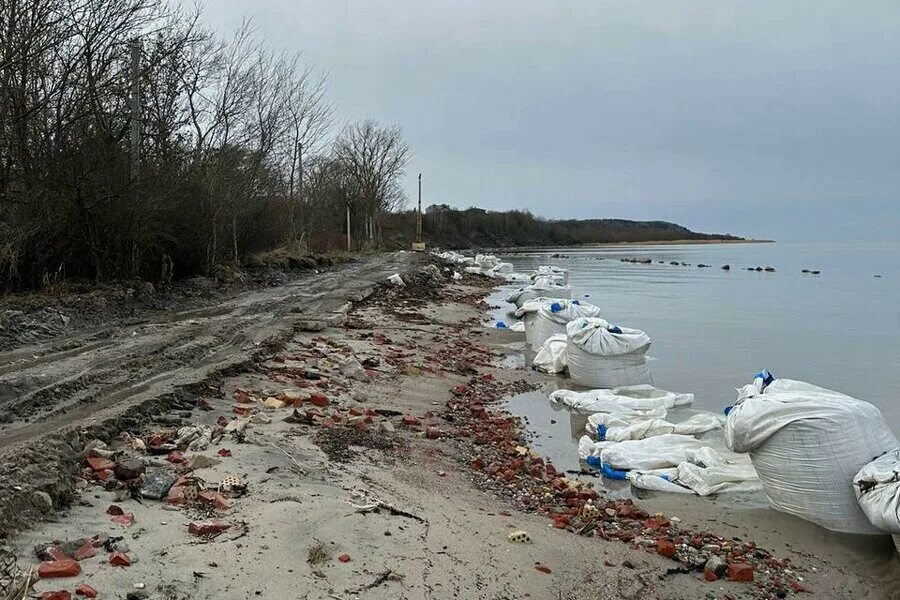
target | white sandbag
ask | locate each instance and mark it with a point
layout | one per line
(551, 357)
(396, 280)
(486, 261)
(557, 274)
(455, 257)
(616, 427)
(503, 268)
(549, 316)
(703, 472)
(642, 399)
(542, 287)
(808, 443)
(601, 355)
(651, 453)
(657, 482)
(517, 326)
(877, 489)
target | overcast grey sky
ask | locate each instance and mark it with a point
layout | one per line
(775, 118)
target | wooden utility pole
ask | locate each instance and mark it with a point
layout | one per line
(419, 244)
(348, 227)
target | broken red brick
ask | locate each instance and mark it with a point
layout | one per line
(176, 458)
(119, 559)
(740, 572)
(176, 495)
(59, 568)
(410, 421)
(543, 568)
(99, 464)
(320, 400)
(206, 528)
(665, 548)
(344, 558)
(60, 595)
(224, 453)
(87, 550)
(241, 410)
(798, 587)
(126, 520)
(114, 509)
(214, 498)
(86, 591)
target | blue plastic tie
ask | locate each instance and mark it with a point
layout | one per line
(611, 473)
(501, 325)
(601, 432)
(727, 410)
(594, 461)
(556, 307)
(576, 302)
(615, 329)
(766, 377)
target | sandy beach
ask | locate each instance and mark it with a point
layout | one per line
(369, 456)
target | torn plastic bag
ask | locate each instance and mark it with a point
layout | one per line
(548, 316)
(616, 428)
(643, 400)
(602, 355)
(551, 358)
(808, 443)
(877, 489)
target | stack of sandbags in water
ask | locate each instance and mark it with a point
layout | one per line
(545, 317)
(543, 286)
(602, 355)
(808, 444)
(635, 441)
(557, 274)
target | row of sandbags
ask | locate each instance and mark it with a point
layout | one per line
(820, 455)
(481, 264)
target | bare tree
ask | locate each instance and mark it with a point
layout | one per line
(375, 157)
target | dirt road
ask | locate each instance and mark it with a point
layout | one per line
(96, 375)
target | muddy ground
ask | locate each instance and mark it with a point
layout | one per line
(337, 451)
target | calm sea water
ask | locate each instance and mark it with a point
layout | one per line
(712, 329)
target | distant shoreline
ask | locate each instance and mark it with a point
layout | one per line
(688, 242)
(674, 243)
